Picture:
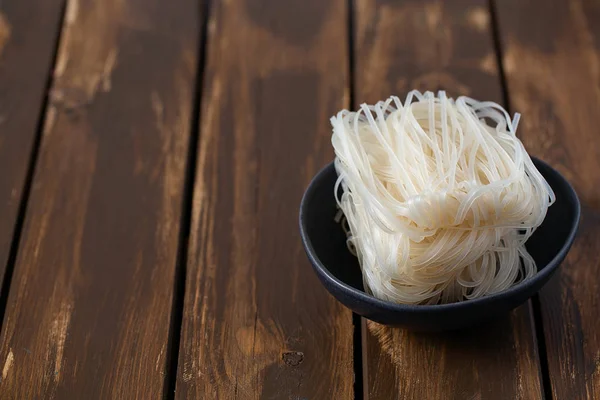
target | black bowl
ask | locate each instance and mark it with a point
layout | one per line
(338, 270)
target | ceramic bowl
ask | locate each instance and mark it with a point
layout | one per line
(338, 270)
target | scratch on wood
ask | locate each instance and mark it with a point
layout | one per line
(8, 364)
(254, 335)
(509, 61)
(158, 359)
(41, 234)
(433, 15)
(101, 80)
(595, 368)
(70, 17)
(58, 336)
(158, 108)
(161, 126)
(109, 65)
(488, 64)
(72, 11)
(61, 65)
(98, 58)
(478, 18)
(384, 336)
(5, 31)
(187, 376)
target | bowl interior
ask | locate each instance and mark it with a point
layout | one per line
(329, 242)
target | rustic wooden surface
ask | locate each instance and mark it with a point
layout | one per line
(432, 45)
(25, 63)
(90, 302)
(111, 297)
(257, 323)
(552, 66)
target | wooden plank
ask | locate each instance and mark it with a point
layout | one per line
(90, 304)
(25, 61)
(257, 323)
(551, 62)
(430, 45)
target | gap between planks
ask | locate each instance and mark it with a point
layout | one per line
(357, 323)
(186, 213)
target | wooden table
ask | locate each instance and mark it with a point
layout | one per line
(152, 158)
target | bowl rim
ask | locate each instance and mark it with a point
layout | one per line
(360, 295)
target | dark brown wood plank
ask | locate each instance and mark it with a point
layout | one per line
(90, 304)
(26, 55)
(551, 62)
(257, 323)
(431, 45)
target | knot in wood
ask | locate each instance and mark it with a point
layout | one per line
(292, 358)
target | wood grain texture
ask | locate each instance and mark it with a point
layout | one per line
(25, 61)
(431, 45)
(90, 303)
(257, 323)
(552, 64)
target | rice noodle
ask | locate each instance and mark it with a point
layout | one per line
(438, 202)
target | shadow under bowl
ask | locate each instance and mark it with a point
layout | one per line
(339, 271)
